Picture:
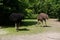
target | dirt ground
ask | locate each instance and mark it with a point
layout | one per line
(53, 34)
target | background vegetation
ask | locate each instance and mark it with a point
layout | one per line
(30, 8)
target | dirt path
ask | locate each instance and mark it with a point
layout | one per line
(43, 36)
(52, 34)
(54, 23)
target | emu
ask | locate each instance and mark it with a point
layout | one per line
(42, 17)
(16, 18)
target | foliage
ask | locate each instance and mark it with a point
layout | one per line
(30, 7)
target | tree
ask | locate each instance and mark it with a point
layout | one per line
(50, 7)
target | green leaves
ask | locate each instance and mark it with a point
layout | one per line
(51, 7)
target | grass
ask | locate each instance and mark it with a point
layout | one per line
(28, 27)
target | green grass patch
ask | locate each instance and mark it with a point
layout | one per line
(28, 27)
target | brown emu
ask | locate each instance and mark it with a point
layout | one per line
(16, 18)
(42, 17)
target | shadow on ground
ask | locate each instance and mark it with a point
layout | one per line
(46, 26)
(23, 29)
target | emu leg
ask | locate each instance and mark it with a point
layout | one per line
(16, 26)
(41, 23)
(45, 23)
(38, 22)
